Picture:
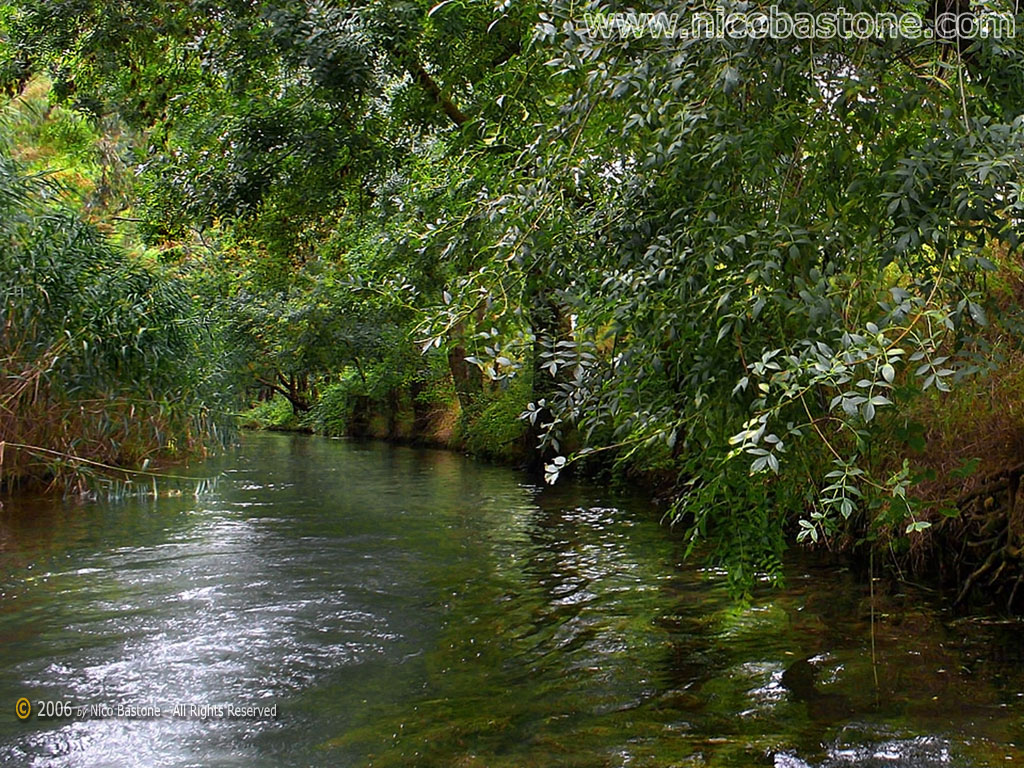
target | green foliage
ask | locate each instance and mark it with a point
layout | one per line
(275, 414)
(103, 359)
(730, 259)
(50, 133)
(772, 244)
(494, 428)
(332, 413)
(70, 134)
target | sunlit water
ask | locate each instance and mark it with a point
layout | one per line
(404, 607)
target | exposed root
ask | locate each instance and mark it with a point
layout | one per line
(984, 541)
(977, 574)
(1013, 593)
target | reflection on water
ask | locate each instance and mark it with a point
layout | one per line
(412, 608)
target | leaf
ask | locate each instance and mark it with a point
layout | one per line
(888, 373)
(438, 7)
(977, 313)
(966, 469)
(869, 411)
(758, 306)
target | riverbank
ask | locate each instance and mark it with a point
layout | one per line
(428, 413)
(970, 550)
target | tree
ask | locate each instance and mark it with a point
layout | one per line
(786, 237)
(280, 119)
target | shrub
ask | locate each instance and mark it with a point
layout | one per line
(104, 362)
(276, 414)
(332, 413)
(494, 429)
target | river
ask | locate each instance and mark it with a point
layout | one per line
(332, 603)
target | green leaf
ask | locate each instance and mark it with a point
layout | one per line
(966, 469)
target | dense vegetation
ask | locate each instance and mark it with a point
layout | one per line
(778, 277)
(107, 361)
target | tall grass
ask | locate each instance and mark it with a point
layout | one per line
(104, 362)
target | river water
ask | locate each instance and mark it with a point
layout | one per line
(388, 606)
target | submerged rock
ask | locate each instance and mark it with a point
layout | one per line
(800, 680)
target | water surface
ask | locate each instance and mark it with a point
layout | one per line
(404, 607)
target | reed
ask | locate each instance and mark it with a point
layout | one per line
(105, 362)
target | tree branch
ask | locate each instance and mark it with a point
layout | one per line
(429, 84)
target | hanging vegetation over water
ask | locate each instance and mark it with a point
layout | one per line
(767, 272)
(105, 361)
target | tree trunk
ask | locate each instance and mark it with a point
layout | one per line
(467, 377)
(292, 389)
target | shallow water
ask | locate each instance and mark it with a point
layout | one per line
(405, 607)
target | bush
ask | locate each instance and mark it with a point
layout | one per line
(70, 134)
(103, 361)
(494, 429)
(276, 414)
(331, 415)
